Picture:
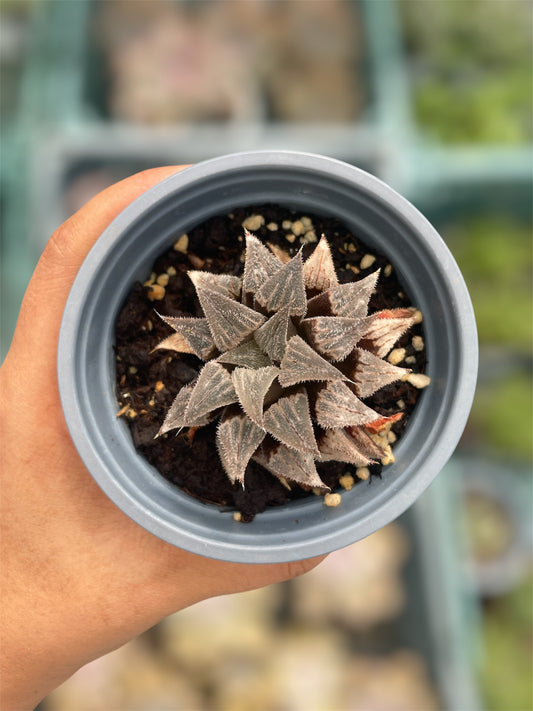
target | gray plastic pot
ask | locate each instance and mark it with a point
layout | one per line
(125, 252)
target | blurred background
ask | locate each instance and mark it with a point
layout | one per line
(434, 97)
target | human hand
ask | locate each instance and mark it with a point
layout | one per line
(79, 578)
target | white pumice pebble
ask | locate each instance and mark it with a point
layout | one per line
(347, 481)
(418, 316)
(286, 224)
(396, 356)
(253, 223)
(418, 343)
(367, 261)
(332, 500)
(298, 228)
(389, 457)
(162, 279)
(182, 244)
(419, 380)
(156, 293)
(387, 271)
(363, 473)
(272, 226)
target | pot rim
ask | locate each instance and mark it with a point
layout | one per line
(268, 540)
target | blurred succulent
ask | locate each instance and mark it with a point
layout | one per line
(290, 356)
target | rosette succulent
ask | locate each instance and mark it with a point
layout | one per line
(290, 356)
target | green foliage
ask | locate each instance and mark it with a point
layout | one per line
(504, 413)
(471, 64)
(496, 258)
(508, 657)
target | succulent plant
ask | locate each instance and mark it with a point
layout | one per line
(290, 356)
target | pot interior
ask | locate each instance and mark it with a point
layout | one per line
(125, 253)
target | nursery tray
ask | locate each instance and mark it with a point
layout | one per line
(114, 152)
(441, 617)
(68, 81)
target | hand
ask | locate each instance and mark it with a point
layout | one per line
(79, 578)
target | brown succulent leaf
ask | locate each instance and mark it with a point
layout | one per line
(384, 328)
(247, 355)
(365, 443)
(272, 336)
(175, 417)
(279, 252)
(225, 284)
(347, 300)
(332, 336)
(229, 321)
(337, 406)
(251, 387)
(319, 270)
(288, 420)
(213, 389)
(259, 265)
(237, 439)
(176, 342)
(285, 288)
(303, 364)
(370, 373)
(192, 336)
(338, 445)
(289, 464)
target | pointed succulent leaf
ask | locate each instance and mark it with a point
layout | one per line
(192, 336)
(384, 328)
(382, 424)
(175, 417)
(288, 420)
(251, 387)
(177, 343)
(337, 406)
(259, 265)
(213, 389)
(319, 270)
(237, 439)
(339, 446)
(303, 364)
(279, 252)
(348, 300)
(370, 373)
(288, 464)
(229, 321)
(272, 336)
(327, 345)
(365, 443)
(247, 355)
(285, 288)
(225, 284)
(332, 336)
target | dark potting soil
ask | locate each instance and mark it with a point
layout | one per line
(147, 382)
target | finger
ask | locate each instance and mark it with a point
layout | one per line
(63, 256)
(71, 242)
